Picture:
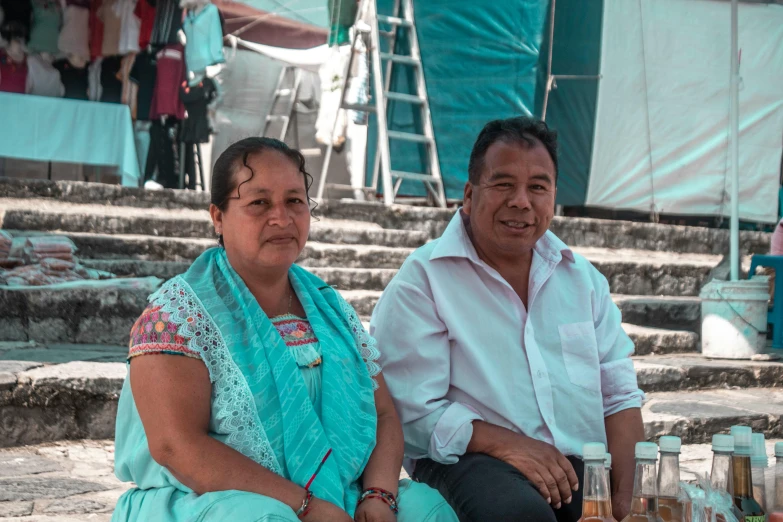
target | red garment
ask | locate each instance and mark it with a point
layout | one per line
(96, 30)
(13, 75)
(146, 13)
(171, 72)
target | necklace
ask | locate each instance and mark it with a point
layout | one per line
(290, 298)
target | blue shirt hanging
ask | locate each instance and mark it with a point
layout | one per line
(204, 46)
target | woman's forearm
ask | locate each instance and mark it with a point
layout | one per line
(383, 468)
(205, 464)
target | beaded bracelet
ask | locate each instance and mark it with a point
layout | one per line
(305, 509)
(381, 494)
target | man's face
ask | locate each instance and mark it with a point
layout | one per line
(514, 202)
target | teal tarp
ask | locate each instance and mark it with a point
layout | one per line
(572, 105)
(480, 63)
(312, 12)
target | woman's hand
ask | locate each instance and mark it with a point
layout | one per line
(374, 510)
(324, 511)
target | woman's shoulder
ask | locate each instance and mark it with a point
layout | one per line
(155, 333)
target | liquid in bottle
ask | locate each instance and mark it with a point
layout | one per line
(644, 506)
(749, 509)
(669, 507)
(776, 502)
(596, 501)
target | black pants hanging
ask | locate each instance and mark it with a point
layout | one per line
(162, 160)
(481, 488)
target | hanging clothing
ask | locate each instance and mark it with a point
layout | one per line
(144, 75)
(47, 19)
(333, 367)
(196, 127)
(74, 37)
(129, 89)
(94, 78)
(204, 44)
(96, 29)
(162, 159)
(130, 27)
(42, 78)
(145, 11)
(141, 135)
(18, 14)
(171, 73)
(111, 80)
(75, 80)
(112, 26)
(13, 75)
(168, 22)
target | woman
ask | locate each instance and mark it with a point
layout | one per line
(263, 401)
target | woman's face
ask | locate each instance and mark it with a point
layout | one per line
(266, 228)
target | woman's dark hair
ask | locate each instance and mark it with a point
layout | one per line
(235, 156)
(522, 129)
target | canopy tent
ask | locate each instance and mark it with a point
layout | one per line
(650, 135)
(299, 24)
(661, 128)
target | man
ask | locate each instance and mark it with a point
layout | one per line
(503, 349)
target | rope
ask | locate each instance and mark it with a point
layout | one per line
(654, 216)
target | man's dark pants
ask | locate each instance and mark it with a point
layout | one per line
(481, 488)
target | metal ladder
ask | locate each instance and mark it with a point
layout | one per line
(287, 88)
(392, 179)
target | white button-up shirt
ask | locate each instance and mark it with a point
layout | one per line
(458, 345)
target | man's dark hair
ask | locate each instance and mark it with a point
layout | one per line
(522, 129)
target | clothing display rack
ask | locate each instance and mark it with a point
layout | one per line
(370, 34)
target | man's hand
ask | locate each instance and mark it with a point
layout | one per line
(374, 510)
(621, 505)
(541, 463)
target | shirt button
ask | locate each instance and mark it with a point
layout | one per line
(540, 374)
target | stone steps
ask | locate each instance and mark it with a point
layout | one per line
(574, 231)
(629, 272)
(44, 402)
(697, 415)
(99, 220)
(103, 311)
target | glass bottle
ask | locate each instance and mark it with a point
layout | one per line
(669, 506)
(749, 509)
(721, 474)
(776, 502)
(758, 466)
(597, 500)
(644, 506)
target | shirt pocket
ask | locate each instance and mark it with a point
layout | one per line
(580, 354)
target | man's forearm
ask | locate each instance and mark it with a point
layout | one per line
(623, 430)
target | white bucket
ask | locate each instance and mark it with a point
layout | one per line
(734, 318)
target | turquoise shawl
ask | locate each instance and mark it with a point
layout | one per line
(259, 397)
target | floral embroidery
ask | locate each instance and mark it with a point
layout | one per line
(298, 336)
(155, 333)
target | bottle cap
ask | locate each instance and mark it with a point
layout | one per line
(608, 459)
(593, 451)
(759, 448)
(742, 440)
(779, 449)
(670, 444)
(723, 443)
(646, 451)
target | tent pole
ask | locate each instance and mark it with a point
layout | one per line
(734, 143)
(549, 58)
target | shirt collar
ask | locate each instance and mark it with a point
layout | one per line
(455, 242)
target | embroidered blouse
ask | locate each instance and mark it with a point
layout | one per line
(154, 333)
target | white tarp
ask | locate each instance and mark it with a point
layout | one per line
(661, 135)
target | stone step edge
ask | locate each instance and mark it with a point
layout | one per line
(78, 400)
